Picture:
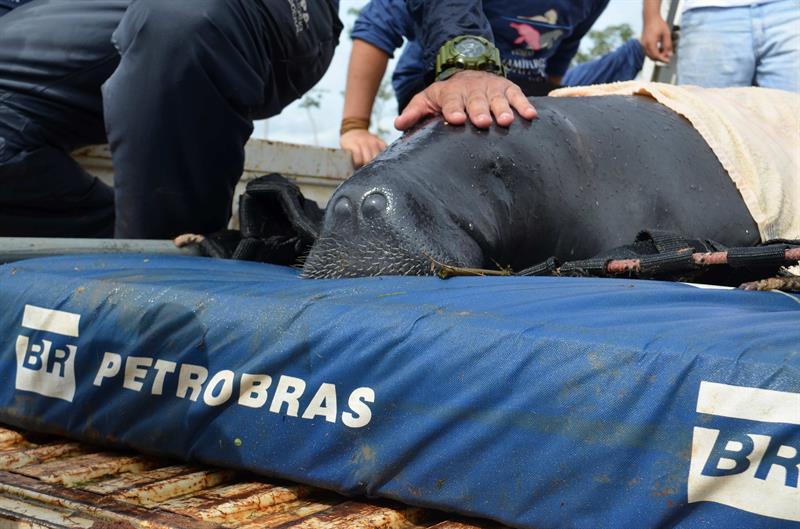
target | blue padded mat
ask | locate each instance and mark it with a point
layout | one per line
(537, 402)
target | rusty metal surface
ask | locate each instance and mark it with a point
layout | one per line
(46, 482)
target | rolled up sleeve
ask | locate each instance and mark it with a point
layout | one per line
(384, 24)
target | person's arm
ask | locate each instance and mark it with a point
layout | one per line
(621, 64)
(656, 34)
(367, 66)
(378, 31)
(476, 94)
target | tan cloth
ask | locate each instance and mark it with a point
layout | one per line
(755, 133)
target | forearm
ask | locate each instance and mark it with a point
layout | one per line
(651, 9)
(364, 75)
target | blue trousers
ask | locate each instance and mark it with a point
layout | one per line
(754, 45)
(171, 85)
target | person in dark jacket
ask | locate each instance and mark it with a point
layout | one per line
(536, 40)
(171, 85)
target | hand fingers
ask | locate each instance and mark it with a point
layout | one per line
(658, 45)
(520, 102)
(353, 148)
(416, 109)
(666, 44)
(648, 44)
(372, 150)
(478, 109)
(453, 106)
(500, 108)
(358, 157)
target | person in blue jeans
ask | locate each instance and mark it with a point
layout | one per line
(730, 42)
(537, 40)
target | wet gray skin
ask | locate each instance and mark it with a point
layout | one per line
(584, 177)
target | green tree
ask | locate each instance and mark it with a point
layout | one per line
(604, 41)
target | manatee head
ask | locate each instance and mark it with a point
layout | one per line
(394, 216)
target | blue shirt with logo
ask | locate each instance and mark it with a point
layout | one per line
(536, 38)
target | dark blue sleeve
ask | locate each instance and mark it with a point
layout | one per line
(557, 64)
(621, 64)
(384, 23)
(8, 5)
(437, 21)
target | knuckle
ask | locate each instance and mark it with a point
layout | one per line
(476, 99)
(497, 98)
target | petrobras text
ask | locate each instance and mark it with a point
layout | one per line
(47, 366)
(747, 453)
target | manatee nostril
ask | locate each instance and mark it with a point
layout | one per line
(374, 204)
(343, 207)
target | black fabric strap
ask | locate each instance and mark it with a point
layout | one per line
(277, 224)
(757, 257)
(545, 268)
(672, 262)
(585, 267)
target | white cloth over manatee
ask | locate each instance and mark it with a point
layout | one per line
(755, 134)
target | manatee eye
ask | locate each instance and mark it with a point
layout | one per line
(374, 204)
(343, 207)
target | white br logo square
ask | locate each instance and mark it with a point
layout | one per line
(47, 366)
(748, 467)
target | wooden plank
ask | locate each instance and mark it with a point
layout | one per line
(73, 470)
(131, 480)
(236, 499)
(353, 515)
(152, 494)
(67, 485)
(21, 457)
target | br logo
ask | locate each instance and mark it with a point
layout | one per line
(747, 454)
(45, 357)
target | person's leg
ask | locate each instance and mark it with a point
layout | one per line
(777, 29)
(715, 48)
(54, 55)
(179, 107)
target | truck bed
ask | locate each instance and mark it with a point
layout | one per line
(52, 482)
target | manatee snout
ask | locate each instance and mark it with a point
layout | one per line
(381, 230)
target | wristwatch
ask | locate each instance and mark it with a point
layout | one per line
(467, 52)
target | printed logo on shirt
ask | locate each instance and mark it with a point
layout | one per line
(46, 356)
(538, 32)
(534, 34)
(747, 453)
(300, 15)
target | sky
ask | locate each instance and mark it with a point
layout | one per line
(298, 125)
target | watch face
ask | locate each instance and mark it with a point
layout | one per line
(470, 48)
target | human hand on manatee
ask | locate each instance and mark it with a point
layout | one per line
(474, 94)
(362, 145)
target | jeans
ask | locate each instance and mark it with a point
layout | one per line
(755, 45)
(171, 85)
